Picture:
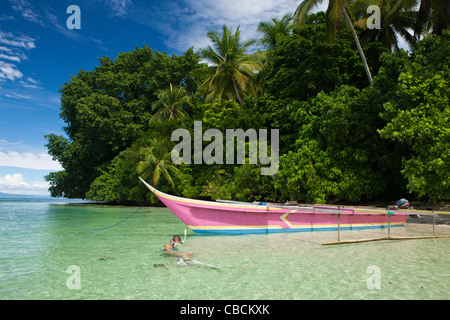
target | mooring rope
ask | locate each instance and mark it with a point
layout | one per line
(123, 219)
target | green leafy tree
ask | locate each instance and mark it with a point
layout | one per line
(339, 138)
(397, 18)
(107, 109)
(339, 154)
(336, 11)
(418, 117)
(118, 182)
(433, 16)
(171, 105)
(421, 122)
(304, 64)
(274, 30)
(157, 163)
(231, 66)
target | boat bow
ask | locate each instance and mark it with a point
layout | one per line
(234, 217)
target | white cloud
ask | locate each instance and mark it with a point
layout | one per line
(5, 49)
(14, 95)
(30, 160)
(12, 47)
(32, 80)
(23, 167)
(20, 41)
(60, 26)
(119, 7)
(185, 23)
(27, 10)
(29, 83)
(54, 21)
(11, 58)
(4, 17)
(18, 154)
(9, 71)
(16, 184)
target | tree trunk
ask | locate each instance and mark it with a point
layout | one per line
(358, 45)
(237, 93)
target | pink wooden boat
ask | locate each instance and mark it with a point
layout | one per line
(231, 217)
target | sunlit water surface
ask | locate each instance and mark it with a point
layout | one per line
(41, 242)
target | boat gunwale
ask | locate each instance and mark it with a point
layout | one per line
(270, 207)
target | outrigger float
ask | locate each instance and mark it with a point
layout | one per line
(233, 217)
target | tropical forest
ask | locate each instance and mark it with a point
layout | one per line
(362, 111)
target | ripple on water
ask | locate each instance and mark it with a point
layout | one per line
(40, 241)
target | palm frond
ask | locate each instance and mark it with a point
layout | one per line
(233, 66)
(303, 9)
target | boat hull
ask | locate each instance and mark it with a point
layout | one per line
(226, 218)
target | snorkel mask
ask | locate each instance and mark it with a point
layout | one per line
(175, 244)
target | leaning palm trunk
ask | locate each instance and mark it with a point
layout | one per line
(336, 9)
(237, 93)
(358, 46)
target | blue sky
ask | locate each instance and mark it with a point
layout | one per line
(38, 53)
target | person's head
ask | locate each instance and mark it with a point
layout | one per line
(176, 240)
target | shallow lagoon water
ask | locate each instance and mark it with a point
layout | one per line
(41, 240)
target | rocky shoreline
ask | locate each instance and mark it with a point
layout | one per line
(443, 217)
(440, 219)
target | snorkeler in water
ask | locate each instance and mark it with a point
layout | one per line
(171, 248)
(174, 242)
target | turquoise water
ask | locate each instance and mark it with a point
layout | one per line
(44, 244)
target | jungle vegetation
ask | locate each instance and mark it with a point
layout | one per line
(359, 118)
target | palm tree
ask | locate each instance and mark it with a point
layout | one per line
(231, 67)
(170, 104)
(275, 29)
(336, 11)
(157, 162)
(255, 87)
(397, 16)
(433, 15)
(272, 31)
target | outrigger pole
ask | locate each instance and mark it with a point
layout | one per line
(381, 239)
(389, 213)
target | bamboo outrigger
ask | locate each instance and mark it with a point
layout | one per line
(412, 212)
(235, 217)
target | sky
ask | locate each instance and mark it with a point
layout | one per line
(39, 53)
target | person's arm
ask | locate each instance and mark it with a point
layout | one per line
(184, 255)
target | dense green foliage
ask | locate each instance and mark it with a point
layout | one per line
(419, 117)
(340, 138)
(107, 109)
